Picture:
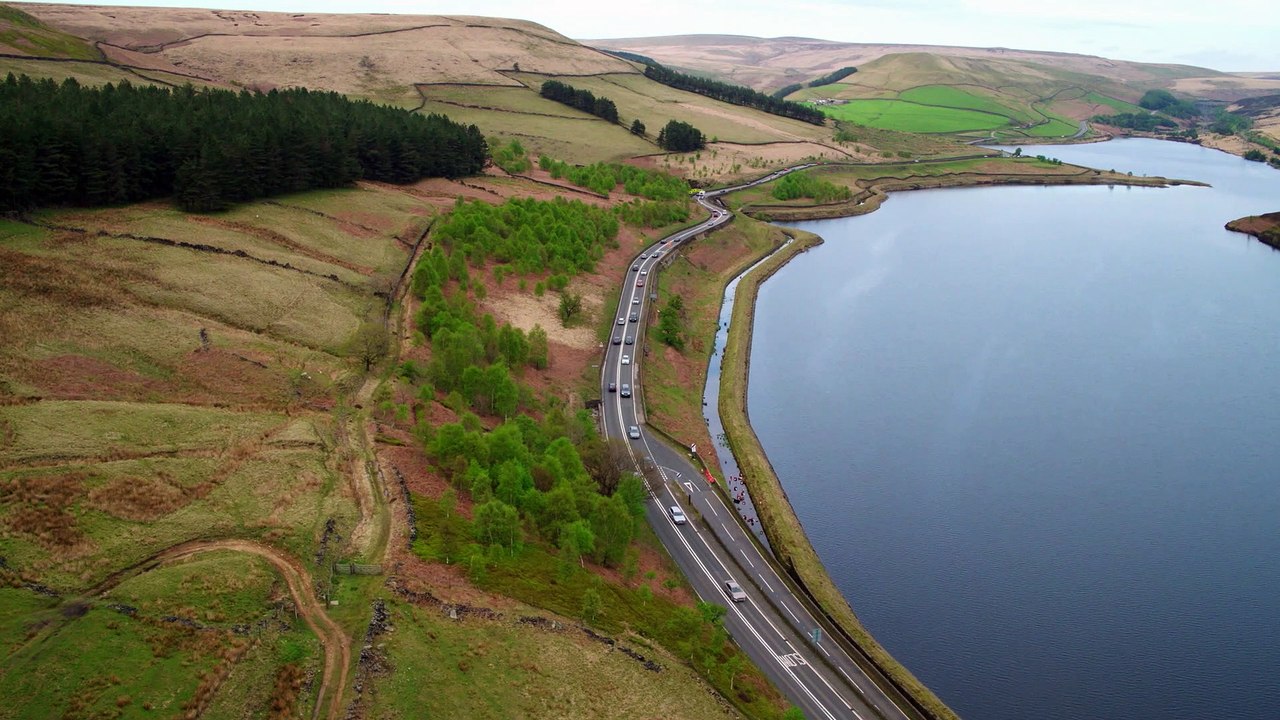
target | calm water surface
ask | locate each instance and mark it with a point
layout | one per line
(1032, 434)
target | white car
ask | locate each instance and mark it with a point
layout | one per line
(626, 359)
(677, 515)
(734, 592)
(633, 432)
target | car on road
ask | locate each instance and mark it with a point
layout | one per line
(640, 282)
(635, 267)
(617, 339)
(622, 321)
(626, 359)
(634, 317)
(633, 432)
(644, 272)
(631, 339)
(734, 591)
(613, 387)
(677, 515)
(626, 390)
(635, 300)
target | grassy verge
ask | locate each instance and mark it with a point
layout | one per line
(673, 381)
(649, 608)
(206, 636)
(786, 535)
(503, 668)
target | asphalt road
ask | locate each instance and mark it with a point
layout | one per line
(773, 626)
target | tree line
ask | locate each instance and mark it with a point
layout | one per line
(833, 76)
(734, 94)
(66, 144)
(584, 100)
(603, 178)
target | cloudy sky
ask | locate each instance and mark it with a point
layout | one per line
(1221, 34)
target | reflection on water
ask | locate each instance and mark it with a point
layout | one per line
(1029, 432)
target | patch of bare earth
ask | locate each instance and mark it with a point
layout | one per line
(727, 161)
(140, 499)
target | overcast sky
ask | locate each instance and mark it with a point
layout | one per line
(1220, 34)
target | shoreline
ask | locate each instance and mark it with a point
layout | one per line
(872, 192)
(1263, 228)
(778, 519)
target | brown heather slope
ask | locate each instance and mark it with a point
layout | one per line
(367, 55)
(770, 63)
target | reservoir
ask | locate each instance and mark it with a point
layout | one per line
(1032, 434)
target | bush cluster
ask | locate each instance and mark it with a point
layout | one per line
(511, 157)
(604, 177)
(679, 136)
(534, 236)
(804, 185)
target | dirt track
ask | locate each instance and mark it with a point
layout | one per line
(337, 647)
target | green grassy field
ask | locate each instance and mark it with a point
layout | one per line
(1056, 127)
(1119, 106)
(95, 660)
(1019, 91)
(654, 104)
(949, 96)
(500, 669)
(24, 33)
(911, 117)
(579, 140)
(497, 97)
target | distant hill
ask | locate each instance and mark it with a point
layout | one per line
(370, 55)
(771, 63)
(476, 70)
(974, 93)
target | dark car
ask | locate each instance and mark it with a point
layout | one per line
(634, 317)
(617, 340)
(635, 267)
(631, 339)
(625, 391)
(613, 387)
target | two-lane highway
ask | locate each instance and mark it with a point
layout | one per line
(771, 624)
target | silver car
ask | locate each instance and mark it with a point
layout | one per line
(633, 432)
(734, 592)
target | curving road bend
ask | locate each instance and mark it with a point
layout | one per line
(772, 625)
